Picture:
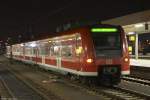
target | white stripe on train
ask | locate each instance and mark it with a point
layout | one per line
(125, 72)
(65, 70)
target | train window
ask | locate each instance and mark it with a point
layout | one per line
(34, 51)
(57, 47)
(111, 41)
(8, 50)
(21, 50)
(46, 48)
(28, 51)
(66, 51)
(79, 48)
(51, 51)
(55, 50)
(47, 51)
(107, 43)
(41, 51)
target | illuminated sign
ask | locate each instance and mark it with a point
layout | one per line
(104, 30)
(132, 38)
(130, 48)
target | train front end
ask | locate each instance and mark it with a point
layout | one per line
(111, 53)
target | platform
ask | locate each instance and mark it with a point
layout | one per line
(140, 62)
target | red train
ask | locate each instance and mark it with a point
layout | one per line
(95, 51)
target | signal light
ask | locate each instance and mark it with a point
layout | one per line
(89, 60)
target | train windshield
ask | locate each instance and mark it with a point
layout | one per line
(106, 41)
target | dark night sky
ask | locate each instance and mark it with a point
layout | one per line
(43, 16)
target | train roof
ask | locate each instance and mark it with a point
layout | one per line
(70, 30)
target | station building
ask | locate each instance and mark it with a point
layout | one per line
(137, 28)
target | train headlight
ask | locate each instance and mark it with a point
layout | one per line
(126, 59)
(89, 60)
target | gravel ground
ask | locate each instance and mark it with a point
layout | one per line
(50, 85)
(3, 90)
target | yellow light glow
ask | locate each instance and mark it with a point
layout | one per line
(130, 48)
(79, 50)
(132, 38)
(126, 59)
(70, 39)
(49, 41)
(89, 60)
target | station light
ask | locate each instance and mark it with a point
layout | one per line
(132, 38)
(131, 33)
(130, 48)
(138, 25)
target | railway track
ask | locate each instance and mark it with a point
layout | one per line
(17, 89)
(116, 93)
(137, 80)
(5, 91)
(113, 93)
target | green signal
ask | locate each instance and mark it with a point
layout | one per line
(104, 30)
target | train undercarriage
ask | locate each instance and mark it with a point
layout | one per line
(107, 76)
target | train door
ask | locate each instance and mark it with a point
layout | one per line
(58, 61)
(57, 50)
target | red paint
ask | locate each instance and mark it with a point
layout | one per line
(50, 61)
